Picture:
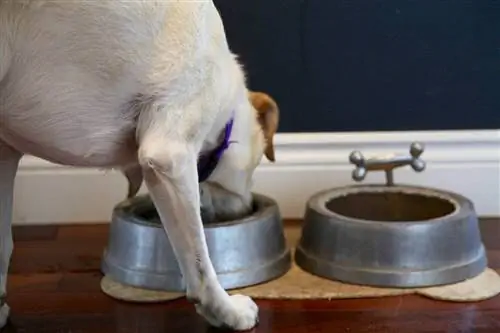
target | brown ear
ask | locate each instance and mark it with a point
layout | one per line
(268, 116)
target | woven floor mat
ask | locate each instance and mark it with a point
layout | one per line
(297, 284)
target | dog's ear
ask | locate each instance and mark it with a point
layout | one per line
(268, 116)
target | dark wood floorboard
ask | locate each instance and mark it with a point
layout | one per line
(54, 288)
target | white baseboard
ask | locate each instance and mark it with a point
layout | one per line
(467, 162)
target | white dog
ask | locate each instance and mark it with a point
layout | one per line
(146, 87)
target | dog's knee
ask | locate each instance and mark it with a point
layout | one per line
(169, 160)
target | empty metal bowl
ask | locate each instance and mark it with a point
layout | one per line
(390, 235)
(244, 252)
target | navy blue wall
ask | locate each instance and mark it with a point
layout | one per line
(369, 65)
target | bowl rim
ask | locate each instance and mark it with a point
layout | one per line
(318, 202)
(266, 207)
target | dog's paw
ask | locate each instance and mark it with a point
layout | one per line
(4, 315)
(240, 314)
(246, 313)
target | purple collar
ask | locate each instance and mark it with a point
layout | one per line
(208, 162)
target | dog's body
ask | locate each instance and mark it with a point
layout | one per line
(145, 87)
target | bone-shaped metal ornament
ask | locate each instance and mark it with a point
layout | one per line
(387, 163)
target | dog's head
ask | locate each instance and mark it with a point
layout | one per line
(256, 123)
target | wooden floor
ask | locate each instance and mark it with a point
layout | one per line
(54, 288)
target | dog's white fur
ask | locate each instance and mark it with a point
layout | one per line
(141, 86)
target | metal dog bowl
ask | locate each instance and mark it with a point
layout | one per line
(244, 252)
(392, 235)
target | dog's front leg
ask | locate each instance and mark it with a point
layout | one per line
(170, 174)
(9, 160)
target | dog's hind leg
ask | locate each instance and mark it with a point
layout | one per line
(5, 50)
(9, 160)
(169, 161)
(134, 179)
